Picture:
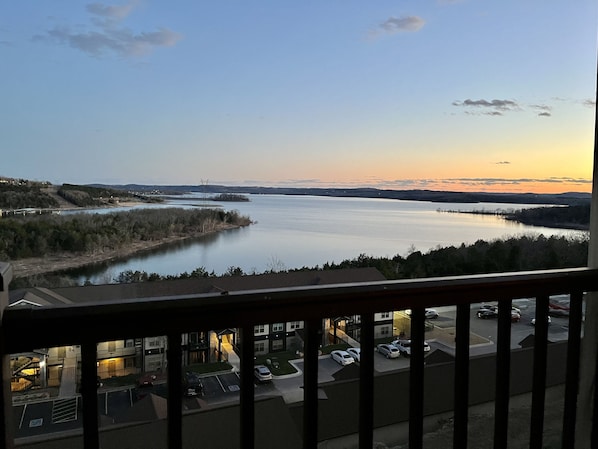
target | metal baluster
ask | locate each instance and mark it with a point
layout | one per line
(416, 379)
(247, 388)
(89, 391)
(539, 375)
(366, 382)
(174, 356)
(461, 399)
(572, 379)
(503, 375)
(313, 328)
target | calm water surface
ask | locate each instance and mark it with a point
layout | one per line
(297, 231)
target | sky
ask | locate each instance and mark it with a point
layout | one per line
(470, 95)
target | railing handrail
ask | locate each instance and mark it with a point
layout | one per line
(111, 320)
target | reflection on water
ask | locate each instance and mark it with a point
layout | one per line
(303, 231)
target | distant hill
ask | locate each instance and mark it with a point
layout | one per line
(571, 198)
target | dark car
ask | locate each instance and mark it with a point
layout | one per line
(487, 313)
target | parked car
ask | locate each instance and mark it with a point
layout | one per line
(193, 385)
(431, 314)
(388, 350)
(342, 357)
(515, 316)
(487, 313)
(404, 346)
(489, 307)
(262, 373)
(355, 353)
(534, 321)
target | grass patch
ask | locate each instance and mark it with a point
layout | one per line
(278, 362)
(206, 368)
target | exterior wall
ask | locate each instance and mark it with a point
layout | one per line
(154, 353)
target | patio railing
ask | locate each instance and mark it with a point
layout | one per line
(24, 329)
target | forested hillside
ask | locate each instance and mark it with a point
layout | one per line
(35, 236)
(571, 217)
(23, 195)
(503, 255)
(86, 196)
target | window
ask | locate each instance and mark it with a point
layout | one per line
(385, 330)
(129, 343)
(278, 344)
(385, 315)
(295, 325)
(153, 343)
(130, 363)
(259, 329)
(277, 327)
(259, 347)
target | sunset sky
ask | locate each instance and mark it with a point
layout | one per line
(474, 95)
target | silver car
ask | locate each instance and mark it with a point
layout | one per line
(404, 346)
(342, 357)
(355, 353)
(387, 350)
(262, 373)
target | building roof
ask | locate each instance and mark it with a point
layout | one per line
(153, 289)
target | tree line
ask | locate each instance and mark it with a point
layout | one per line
(20, 196)
(37, 236)
(89, 196)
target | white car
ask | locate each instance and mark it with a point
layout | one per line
(262, 373)
(355, 353)
(431, 314)
(404, 346)
(342, 357)
(389, 351)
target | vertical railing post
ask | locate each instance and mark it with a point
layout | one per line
(174, 357)
(6, 425)
(247, 389)
(461, 395)
(539, 373)
(503, 375)
(313, 327)
(416, 379)
(89, 391)
(366, 382)
(572, 379)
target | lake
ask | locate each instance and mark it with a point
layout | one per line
(308, 231)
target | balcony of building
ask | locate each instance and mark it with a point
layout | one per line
(380, 407)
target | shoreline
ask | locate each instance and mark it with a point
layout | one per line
(53, 263)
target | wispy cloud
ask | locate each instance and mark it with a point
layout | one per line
(487, 107)
(590, 102)
(502, 163)
(106, 34)
(543, 110)
(394, 25)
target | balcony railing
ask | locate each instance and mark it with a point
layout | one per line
(87, 324)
